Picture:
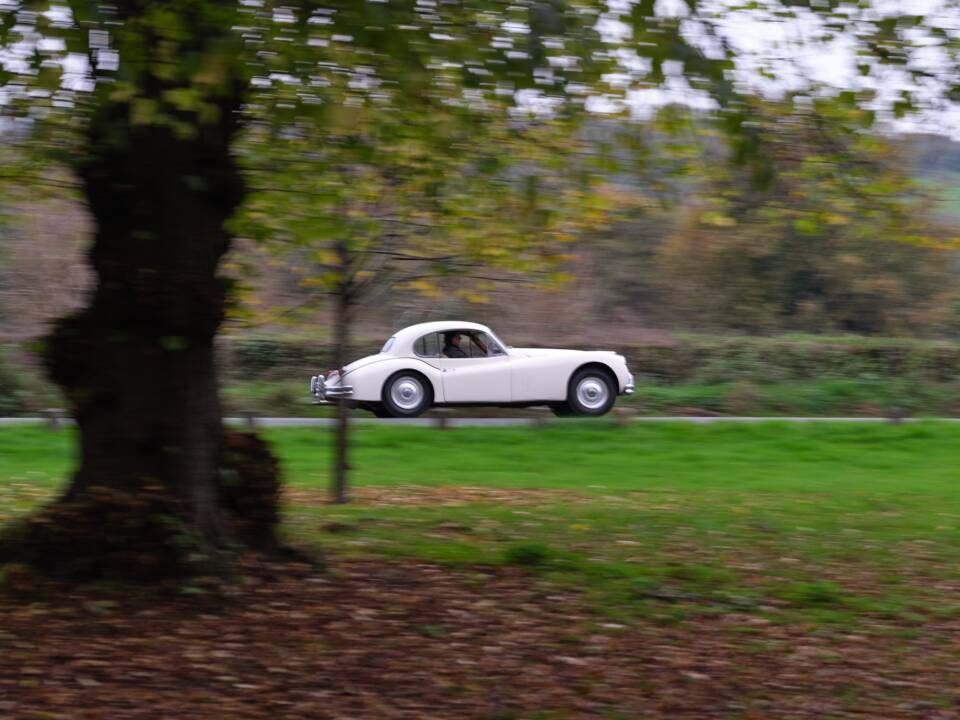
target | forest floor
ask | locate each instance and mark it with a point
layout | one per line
(578, 571)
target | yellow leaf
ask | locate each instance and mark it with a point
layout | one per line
(143, 111)
(718, 219)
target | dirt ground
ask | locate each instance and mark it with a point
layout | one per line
(404, 639)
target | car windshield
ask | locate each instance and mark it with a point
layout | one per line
(387, 345)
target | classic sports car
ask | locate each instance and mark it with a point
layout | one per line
(463, 363)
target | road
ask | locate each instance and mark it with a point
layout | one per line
(507, 422)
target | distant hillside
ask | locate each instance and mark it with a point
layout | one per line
(935, 155)
(937, 163)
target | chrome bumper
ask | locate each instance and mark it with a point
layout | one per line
(629, 387)
(323, 393)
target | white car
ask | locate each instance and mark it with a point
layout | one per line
(453, 363)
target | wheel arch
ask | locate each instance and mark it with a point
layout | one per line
(369, 381)
(429, 382)
(602, 367)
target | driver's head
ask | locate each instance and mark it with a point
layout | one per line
(453, 338)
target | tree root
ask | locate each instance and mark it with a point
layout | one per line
(143, 531)
(134, 534)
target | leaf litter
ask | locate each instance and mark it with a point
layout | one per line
(410, 639)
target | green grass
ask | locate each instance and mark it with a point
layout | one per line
(832, 523)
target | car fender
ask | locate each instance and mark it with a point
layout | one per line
(545, 374)
(367, 381)
(616, 364)
(543, 377)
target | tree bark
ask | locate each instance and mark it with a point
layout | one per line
(339, 489)
(137, 364)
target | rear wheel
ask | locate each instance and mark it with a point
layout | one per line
(407, 394)
(591, 392)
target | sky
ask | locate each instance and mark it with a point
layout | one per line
(777, 55)
(774, 55)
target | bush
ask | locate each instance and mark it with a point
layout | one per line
(817, 593)
(13, 396)
(255, 357)
(267, 357)
(766, 360)
(532, 555)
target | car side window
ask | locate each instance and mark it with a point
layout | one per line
(472, 344)
(428, 346)
(482, 345)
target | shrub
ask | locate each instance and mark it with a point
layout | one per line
(817, 593)
(268, 357)
(768, 360)
(535, 555)
(12, 392)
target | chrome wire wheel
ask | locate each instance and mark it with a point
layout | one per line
(407, 393)
(592, 392)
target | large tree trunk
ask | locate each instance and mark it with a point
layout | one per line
(137, 365)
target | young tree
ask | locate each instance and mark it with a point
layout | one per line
(448, 205)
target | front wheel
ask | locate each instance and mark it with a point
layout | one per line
(407, 394)
(591, 392)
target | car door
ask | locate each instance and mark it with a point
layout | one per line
(482, 376)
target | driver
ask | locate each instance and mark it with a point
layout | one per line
(451, 346)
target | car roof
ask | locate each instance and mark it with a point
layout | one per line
(409, 335)
(440, 326)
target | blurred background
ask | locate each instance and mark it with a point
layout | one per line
(827, 291)
(756, 204)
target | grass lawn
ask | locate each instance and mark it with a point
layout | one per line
(820, 523)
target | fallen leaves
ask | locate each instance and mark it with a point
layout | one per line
(435, 496)
(408, 639)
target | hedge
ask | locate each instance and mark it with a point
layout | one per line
(705, 361)
(12, 392)
(777, 360)
(902, 373)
